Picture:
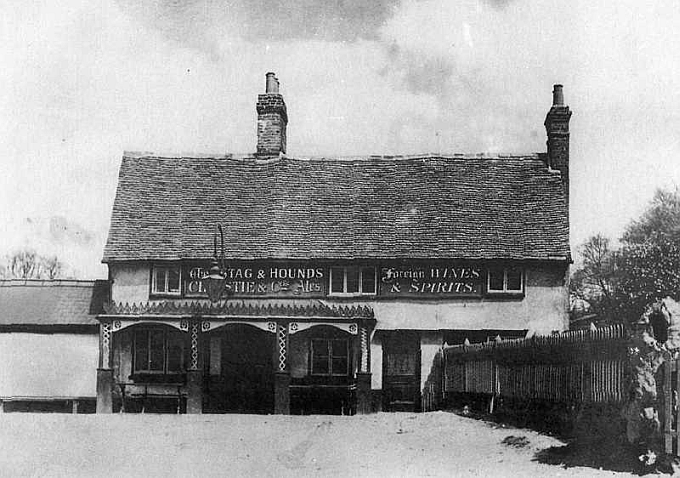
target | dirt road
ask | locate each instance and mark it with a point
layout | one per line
(389, 445)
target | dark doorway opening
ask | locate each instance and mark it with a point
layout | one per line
(239, 370)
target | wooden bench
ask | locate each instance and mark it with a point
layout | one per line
(146, 391)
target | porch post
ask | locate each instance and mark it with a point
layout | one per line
(194, 373)
(364, 374)
(104, 371)
(282, 374)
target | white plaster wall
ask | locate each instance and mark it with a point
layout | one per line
(376, 363)
(542, 309)
(430, 343)
(48, 365)
(131, 282)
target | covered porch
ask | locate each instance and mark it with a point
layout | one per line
(252, 356)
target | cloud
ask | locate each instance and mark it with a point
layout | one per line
(77, 247)
(429, 74)
(203, 24)
(81, 82)
(61, 230)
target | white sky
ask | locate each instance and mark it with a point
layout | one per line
(83, 81)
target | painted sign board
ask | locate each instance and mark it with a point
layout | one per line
(440, 280)
(417, 279)
(264, 280)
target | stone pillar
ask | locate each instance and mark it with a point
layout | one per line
(282, 374)
(104, 389)
(364, 393)
(194, 374)
(104, 371)
(364, 374)
(282, 393)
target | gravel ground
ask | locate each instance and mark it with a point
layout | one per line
(389, 445)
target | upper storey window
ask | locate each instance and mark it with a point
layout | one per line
(505, 280)
(353, 280)
(166, 279)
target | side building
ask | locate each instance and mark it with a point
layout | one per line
(341, 278)
(49, 344)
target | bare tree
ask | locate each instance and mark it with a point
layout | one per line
(595, 281)
(27, 264)
(24, 265)
(51, 267)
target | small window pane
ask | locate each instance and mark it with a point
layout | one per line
(339, 365)
(339, 348)
(339, 357)
(320, 365)
(320, 347)
(514, 282)
(156, 352)
(352, 280)
(173, 280)
(320, 362)
(496, 279)
(141, 350)
(159, 280)
(368, 280)
(337, 279)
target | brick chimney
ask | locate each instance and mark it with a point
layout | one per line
(557, 128)
(272, 119)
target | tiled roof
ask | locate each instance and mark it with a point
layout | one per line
(51, 302)
(455, 207)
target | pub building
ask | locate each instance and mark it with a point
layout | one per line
(274, 284)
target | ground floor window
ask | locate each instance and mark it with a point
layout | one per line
(330, 356)
(158, 351)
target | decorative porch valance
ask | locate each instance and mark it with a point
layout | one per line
(243, 308)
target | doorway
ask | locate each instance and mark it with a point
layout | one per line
(240, 370)
(401, 371)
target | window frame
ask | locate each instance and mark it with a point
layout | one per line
(505, 290)
(328, 342)
(166, 341)
(166, 268)
(360, 281)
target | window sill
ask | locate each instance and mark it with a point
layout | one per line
(165, 295)
(504, 295)
(158, 377)
(351, 294)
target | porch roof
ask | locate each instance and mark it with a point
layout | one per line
(247, 308)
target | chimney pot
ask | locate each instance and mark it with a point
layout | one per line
(272, 84)
(558, 96)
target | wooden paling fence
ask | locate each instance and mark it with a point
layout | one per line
(571, 367)
(669, 416)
